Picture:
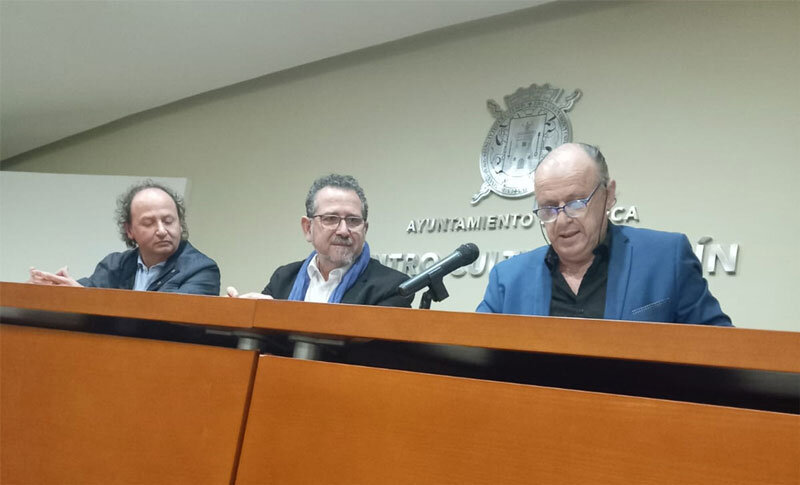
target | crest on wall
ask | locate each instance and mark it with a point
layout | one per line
(535, 123)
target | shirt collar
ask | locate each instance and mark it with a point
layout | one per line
(335, 274)
(143, 267)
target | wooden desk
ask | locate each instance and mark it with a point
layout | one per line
(91, 408)
(684, 344)
(167, 307)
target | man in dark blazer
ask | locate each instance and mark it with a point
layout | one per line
(151, 219)
(377, 285)
(339, 269)
(592, 268)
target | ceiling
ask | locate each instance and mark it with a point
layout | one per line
(67, 66)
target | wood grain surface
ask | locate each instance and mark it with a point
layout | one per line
(656, 342)
(670, 343)
(94, 409)
(316, 422)
(147, 305)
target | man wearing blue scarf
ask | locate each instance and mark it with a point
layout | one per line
(339, 269)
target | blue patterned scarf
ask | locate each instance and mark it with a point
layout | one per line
(300, 286)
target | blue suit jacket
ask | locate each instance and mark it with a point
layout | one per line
(652, 276)
(186, 271)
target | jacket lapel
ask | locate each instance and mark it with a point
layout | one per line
(542, 292)
(169, 269)
(129, 266)
(168, 272)
(355, 294)
(619, 272)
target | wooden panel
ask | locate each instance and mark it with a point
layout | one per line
(315, 422)
(689, 344)
(150, 305)
(82, 408)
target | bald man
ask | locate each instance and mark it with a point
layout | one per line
(593, 268)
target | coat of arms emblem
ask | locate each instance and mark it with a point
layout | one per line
(536, 122)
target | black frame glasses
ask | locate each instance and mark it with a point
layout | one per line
(332, 221)
(574, 208)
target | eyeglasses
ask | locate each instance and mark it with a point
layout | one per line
(573, 208)
(332, 221)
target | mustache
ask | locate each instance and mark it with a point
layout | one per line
(342, 240)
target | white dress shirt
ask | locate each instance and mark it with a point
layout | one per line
(320, 290)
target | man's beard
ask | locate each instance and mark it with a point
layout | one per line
(344, 250)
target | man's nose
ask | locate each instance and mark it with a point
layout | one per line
(562, 218)
(342, 228)
(161, 229)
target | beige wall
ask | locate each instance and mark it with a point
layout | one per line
(694, 104)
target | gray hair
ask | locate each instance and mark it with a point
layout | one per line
(345, 182)
(123, 212)
(596, 155)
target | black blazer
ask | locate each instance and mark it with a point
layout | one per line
(377, 285)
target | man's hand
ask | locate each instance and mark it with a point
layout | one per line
(234, 293)
(59, 278)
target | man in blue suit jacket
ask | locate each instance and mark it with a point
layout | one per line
(592, 268)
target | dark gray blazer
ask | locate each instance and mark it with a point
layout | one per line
(186, 271)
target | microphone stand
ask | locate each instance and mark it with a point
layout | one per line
(436, 292)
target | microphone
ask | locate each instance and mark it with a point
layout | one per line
(464, 255)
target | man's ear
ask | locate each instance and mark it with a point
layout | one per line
(611, 190)
(366, 226)
(305, 224)
(128, 231)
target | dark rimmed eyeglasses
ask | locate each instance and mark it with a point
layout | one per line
(332, 221)
(574, 208)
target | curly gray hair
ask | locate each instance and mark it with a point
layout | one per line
(123, 212)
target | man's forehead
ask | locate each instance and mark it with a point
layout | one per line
(336, 195)
(565, 178)
(331, 190)
(566, 156)
(150, 197)
(149, 193)
(566, 163)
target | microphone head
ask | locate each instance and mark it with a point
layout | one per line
(470, 252)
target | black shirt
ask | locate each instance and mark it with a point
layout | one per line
(590, 302)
